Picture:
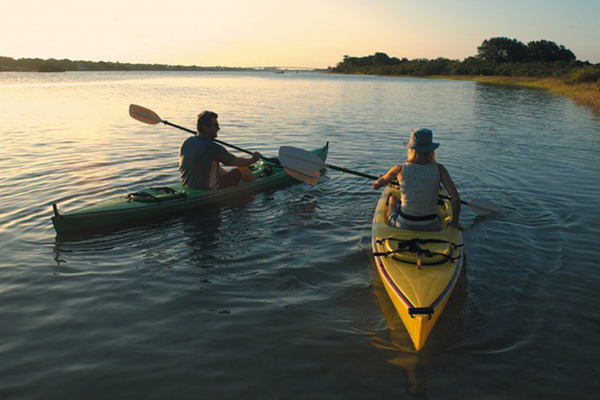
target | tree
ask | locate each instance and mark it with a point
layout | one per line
(381, 59)
(544, 50)
(50, 66)
(502, 50)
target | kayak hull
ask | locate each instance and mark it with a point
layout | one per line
(419, 280)
(126, 209)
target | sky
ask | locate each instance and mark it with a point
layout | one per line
(286, 33)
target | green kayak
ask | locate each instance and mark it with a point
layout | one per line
(155, 202)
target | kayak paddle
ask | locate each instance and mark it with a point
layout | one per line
(148, 116)
(299, 159)
(310, 177)
(293, 157)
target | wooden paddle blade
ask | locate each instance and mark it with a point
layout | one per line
(144, 114)
(484, 207)
(299, 159)
(310, 177)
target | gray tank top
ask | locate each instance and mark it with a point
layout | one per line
(419, 188)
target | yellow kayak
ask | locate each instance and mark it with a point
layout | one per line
(419, 270)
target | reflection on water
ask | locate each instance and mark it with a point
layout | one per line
(272, 294)
(200, 229)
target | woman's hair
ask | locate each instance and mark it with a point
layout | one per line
(420, 157)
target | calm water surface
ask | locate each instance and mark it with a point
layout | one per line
(274, 296)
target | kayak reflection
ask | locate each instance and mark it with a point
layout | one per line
(397, 341)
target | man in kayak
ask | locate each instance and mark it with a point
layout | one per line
(420, 177)
(200, 159)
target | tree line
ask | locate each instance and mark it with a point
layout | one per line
(53, 65)
(498, 56)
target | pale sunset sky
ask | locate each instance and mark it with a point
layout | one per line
(303, 33)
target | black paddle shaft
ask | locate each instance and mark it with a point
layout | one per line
(272, 160)
(349, 171)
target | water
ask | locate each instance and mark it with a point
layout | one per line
(274, 296)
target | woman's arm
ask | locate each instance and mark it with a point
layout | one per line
(454, 196)
(389, 177)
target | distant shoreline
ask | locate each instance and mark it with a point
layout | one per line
(52, 69)
(583, 93)
(8, 64)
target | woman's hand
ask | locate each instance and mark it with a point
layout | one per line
(378, 183)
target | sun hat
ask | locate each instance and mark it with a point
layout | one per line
(421, 140)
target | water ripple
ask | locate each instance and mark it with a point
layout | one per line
(221, 299)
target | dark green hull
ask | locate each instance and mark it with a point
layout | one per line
(125, 210)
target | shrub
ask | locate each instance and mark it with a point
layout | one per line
(50, 66)
(587, 74)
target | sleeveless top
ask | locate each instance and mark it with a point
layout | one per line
(419, 189)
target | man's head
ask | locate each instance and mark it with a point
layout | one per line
(207, 124)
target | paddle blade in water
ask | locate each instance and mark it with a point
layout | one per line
(299, 159)
(144, 114)
(310, 177)
(484, 207)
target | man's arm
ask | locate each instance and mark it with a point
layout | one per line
(244, 161)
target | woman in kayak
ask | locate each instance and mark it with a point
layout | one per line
(200, 158)
(420, 177)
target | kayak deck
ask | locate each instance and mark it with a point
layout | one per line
(171, 199)
(419, 270)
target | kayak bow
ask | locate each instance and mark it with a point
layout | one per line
(419, 270)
